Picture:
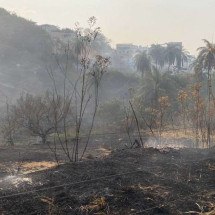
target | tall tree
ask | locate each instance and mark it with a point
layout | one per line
(181, 57)
(175, 55)
(157, 52)
(206, 61)
(142, 63)
(170, 54)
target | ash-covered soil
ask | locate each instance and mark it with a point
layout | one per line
(131, 181)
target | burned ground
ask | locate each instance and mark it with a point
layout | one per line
(137, 181)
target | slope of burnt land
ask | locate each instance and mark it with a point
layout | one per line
(137, 181)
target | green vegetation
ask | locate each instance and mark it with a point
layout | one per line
(161, 94)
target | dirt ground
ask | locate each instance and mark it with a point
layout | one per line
(131, 181)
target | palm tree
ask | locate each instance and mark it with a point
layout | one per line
(157, 52)
(142, 63)
(181, 57)
(197, 67)
(175, 54)
(206, 56)
(157, 84)
(206, 61)
(170, 54)
(155, 79)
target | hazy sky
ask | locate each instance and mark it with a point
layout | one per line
(140, 22)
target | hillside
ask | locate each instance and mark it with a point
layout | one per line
(24, 52)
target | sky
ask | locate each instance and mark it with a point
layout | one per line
(141, 22)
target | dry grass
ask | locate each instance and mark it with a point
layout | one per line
(29, 167)
(103, 151)
(95, 206)
(178, 134)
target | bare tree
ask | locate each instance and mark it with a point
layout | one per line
(137, 123)
(8, 125)
(38, 115)
(84, 90)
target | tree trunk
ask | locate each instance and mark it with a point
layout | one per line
(209, 111)
(44, 139)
